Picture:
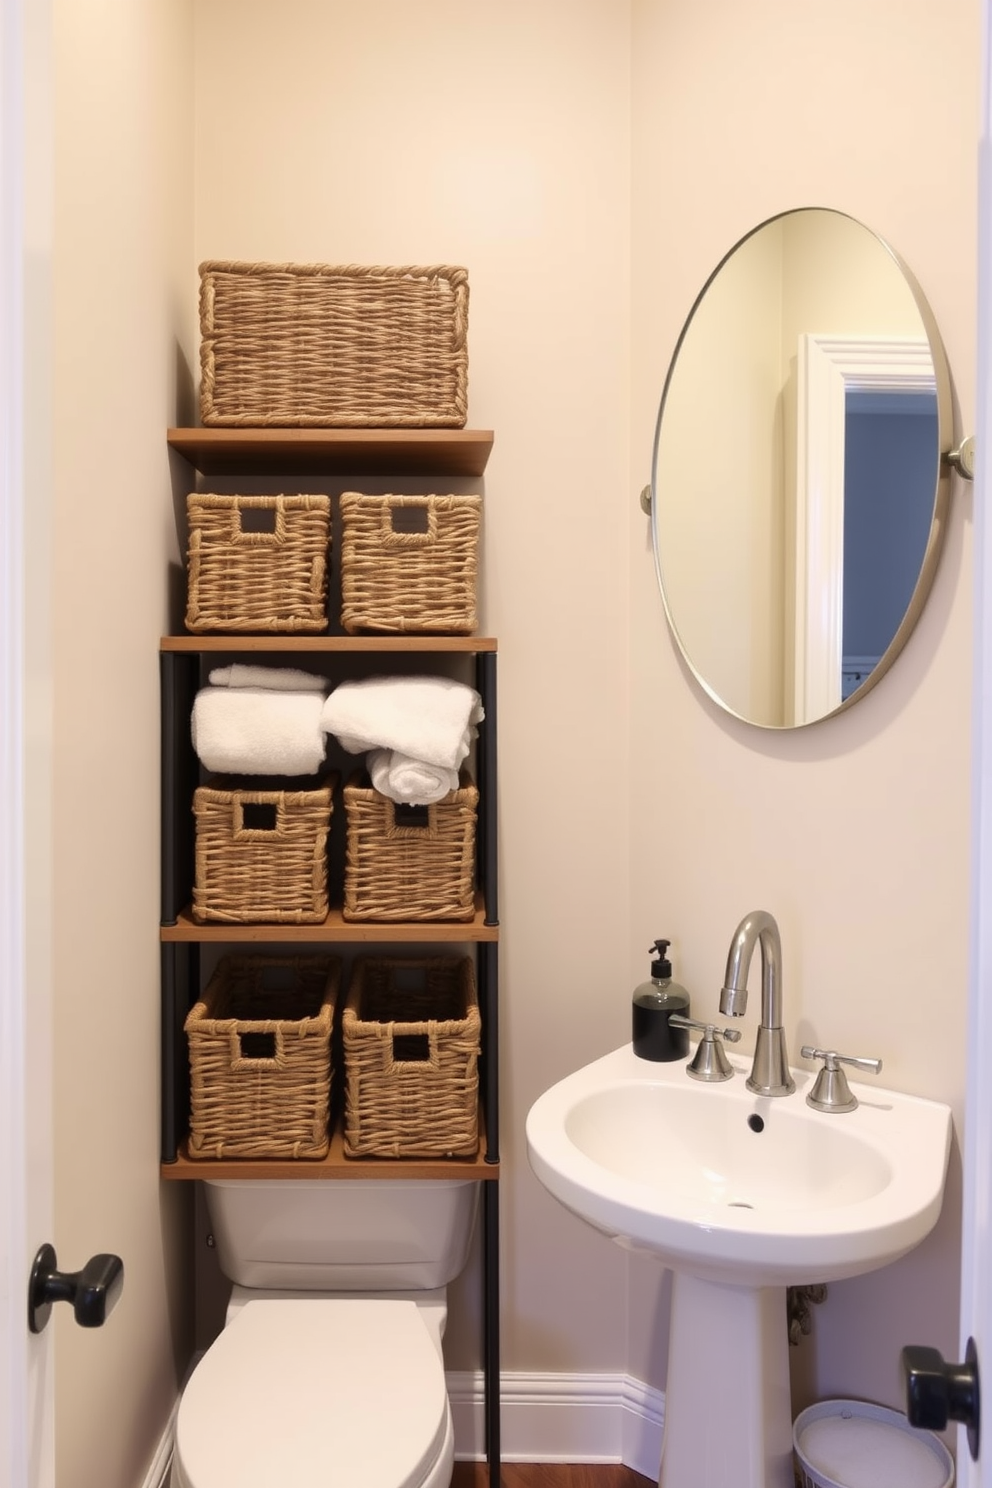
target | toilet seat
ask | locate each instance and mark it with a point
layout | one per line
(314, 1392)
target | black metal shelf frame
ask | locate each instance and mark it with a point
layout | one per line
(180, 673)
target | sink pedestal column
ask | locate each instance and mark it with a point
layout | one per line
(728, 1407)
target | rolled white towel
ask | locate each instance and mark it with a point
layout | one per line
(431, 719)
(285, 679)
(258, 731)
(409, 781)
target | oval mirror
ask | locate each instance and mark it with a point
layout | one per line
(799, 485)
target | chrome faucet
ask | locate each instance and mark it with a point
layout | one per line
(770, 1070)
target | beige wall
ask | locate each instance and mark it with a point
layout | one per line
(855, 832)
(496, 138)
(841, 281)
(122, 229)
(555, 148)
(629, 806)
(718, 481)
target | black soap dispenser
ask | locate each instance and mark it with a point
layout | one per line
(654, 1003)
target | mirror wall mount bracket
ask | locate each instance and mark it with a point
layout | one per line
(646, 499)
(962, 459)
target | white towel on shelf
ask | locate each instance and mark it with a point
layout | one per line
(431, 719)
(258, 731)
(285, 679)
(409, 781)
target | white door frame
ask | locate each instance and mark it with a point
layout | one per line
(976, 1284)
(13, 976)
(828, 367)
(26, 1384)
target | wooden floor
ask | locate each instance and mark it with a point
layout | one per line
(549, 1475)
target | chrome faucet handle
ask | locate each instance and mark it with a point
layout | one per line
(732, 1035)
(831, 1092)
(709, 1061)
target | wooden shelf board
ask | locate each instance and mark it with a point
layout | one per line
(334, 1167)
(328, 643)
(334, 451)
(335, 928)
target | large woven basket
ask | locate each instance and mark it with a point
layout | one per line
(409, 563)
(261, 854)
(257, 563)
(409, 862)
(333, 346)
(410, 1040)
(260, 1058)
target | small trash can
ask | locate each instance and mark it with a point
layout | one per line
(851, 1444)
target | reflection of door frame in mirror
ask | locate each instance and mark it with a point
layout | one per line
(829, 367)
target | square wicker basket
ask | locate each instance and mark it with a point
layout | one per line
(411, 1037)
(260, 1058)
(261, 854)
(409, 563)
(257, 563)
(409, 862)
(333, 346)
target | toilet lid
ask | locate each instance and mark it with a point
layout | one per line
(311, 1393)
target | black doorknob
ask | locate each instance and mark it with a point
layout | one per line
(93, 1292)
(937, 1392)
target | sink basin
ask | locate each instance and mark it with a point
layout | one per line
(737, 1187)
(741, 1196)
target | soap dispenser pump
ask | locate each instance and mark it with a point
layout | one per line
(654, 1003)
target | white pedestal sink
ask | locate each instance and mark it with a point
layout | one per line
(742, 1196)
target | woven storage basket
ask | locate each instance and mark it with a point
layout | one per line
(319, 345)
(410, 1039)
(409, 563)
(261, 854)
(409, 862)
(260, 1058)
(257, 563)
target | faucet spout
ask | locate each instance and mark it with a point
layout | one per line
(770, 1070)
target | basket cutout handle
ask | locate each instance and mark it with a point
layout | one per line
(411, 1048)
(417, 1049)
(409, 522)
(251, 820)
(255, 525)
(402, 819)
(257, 1049)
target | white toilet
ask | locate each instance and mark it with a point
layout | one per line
(329, 1368)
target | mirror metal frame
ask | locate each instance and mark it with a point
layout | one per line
(946, 466)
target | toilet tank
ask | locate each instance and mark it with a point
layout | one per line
(342, 1235)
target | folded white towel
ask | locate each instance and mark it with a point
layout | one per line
(409, 781)
(286, 679)
(258, 731)
(431, 719)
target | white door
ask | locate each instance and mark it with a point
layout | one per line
(26, 1404)
(976, 1245)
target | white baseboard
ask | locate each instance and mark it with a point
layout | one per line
(157, 1475)
(543, 1418)
(562, 1418)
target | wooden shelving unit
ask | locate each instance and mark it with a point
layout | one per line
(337, 929)
(182, 936)
(334, 1166)
(192, 645)
(183, 660)
(459, 452)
